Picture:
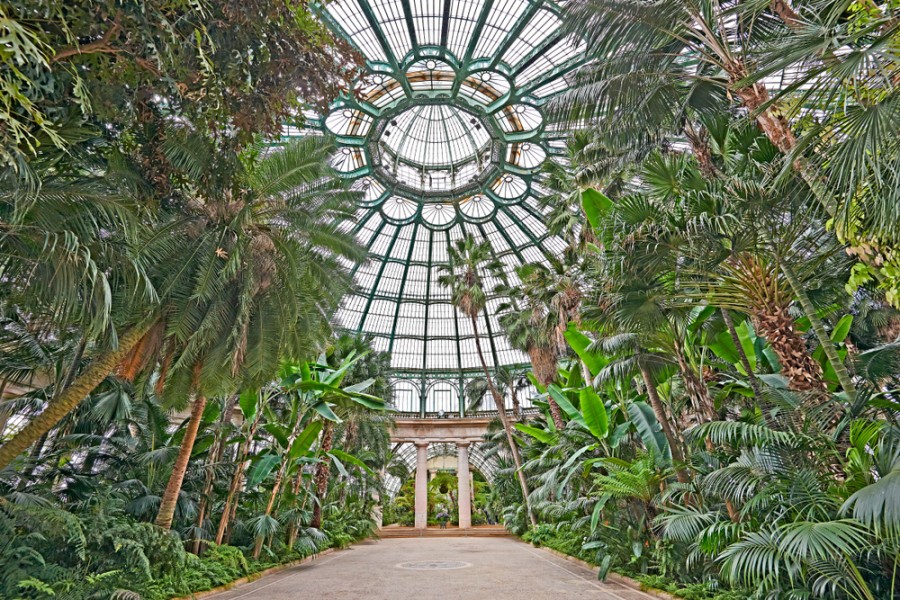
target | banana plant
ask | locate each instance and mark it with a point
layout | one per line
(323, 389)
(635, 412)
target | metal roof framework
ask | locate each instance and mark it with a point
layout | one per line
(445, 136)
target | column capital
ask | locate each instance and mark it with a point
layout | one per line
(463, 443)
(421, 444)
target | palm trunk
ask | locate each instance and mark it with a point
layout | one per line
(802, 372)
(543, 364)
(73, 394)
(173, 488)
(33, 457)
(295, 490)
(504, 419)
(4, 411)
(276, 488)
(768, 302)
(662, 416)
(517, 408)
(695, 388)
(818, 328)
(322, 471)
(745, 362)
(215, 455)
(237, 479)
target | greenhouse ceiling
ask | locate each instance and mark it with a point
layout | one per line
(445, 136)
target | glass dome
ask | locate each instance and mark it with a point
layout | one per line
(445, 136)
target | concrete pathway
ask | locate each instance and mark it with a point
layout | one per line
(435, 569)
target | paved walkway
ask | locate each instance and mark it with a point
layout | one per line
(435, 569)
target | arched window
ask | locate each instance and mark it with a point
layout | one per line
(442, 397)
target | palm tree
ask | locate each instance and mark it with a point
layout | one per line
(509, 379)
(67, 254)
(464, 274)
(537, 315)
(257, 250)
(658, 64)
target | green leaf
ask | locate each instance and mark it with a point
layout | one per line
(598, 510)
(560, 397)
(323, 409)
(249, 402)
(340, 466)
(361, 386)
(842, 329)
(353, 460)
(278, 432)
(594, 413)
(305, 440)
(605, 565)
(370, 402)
(538, 434)
(575, 380)
(579, 344)
(568, 468)
(596, 205)
(644, 420)
(537, 384)
(262, 469)
(618, 434)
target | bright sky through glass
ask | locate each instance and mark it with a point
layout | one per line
(446, 137)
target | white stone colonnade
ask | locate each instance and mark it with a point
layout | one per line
(423, 432)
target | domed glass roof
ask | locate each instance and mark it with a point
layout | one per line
(445, 136)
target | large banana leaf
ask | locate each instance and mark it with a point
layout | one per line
(644, 420)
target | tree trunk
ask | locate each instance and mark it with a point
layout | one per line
(818, 328)
(322, 471)
(745, 362)
(236, 480)
(33, 457)
(699, 141)
(215, 455)
(504, 419)
(173, 488)
(517, 408)
(295, 490)
(73, 394)
(543, 364)
(662, 416)
(695, 387)
(802, 372)
(276, 487)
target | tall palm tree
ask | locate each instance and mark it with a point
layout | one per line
(537, 315)
(70, 267)
(509, 379)
(465, 273)
(653, 58)
(257, 247)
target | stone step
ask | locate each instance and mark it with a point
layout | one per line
(450, 532)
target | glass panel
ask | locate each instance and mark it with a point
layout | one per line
(428, 162)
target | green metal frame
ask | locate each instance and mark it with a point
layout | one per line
(490, 115)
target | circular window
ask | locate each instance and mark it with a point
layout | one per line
(434, 148)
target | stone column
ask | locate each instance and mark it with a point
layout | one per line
(464, 487)
(421, 485)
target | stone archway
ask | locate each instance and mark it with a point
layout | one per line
(459, 436)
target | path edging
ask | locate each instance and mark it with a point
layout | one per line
(254, 576)
(614, 577)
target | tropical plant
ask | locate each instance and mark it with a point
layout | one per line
(465, 274)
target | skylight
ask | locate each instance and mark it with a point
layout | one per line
(446, 136)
